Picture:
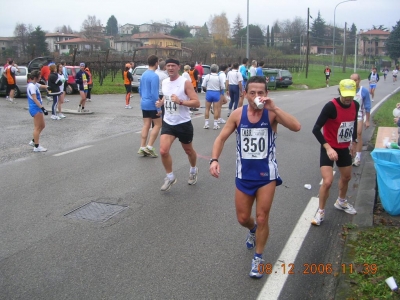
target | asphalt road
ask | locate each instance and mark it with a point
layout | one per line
(180, 244)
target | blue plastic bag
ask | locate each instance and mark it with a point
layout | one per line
(387, 166)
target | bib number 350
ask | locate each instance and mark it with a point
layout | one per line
(253, 142)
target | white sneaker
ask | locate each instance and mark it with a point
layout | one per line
(128, 107)
(318, 218)
(66, 100)
(347, 207)
(206, 126)
(11, 100)
(31, 143)
(39, 149)
(216, 127)
(61, 116)
(221, 121)
(79, 108)
(55, 117)
(356, 162)
(89, 100)
(327, 85)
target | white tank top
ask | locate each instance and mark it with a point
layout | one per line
(359, 99)
(174, 113)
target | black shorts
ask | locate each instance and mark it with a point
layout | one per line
(10, 87)
(128, 88)
(344, 158)
(183, 131)
(65, 85)
(327, 77)
(152, 114)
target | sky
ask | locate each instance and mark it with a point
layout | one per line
(363, 13)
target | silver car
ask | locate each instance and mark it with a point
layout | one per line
(21, 78)
(137, 74)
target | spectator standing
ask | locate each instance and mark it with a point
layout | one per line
(62, 95)
(253, 68)
(65, 73)
(11, 81)
(149, 85)
(90, 85)
(234, 82)
(81, 79)
(128, 78)
(36, 109)
(259, 71)
(185, 73)
(54, 84)
(200, 70)
(3, 82)
(245, 75)
(395, 72)
(213, 84)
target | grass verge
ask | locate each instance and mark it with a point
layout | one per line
(374, 252)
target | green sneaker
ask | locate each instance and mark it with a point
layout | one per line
(142, 152)
(150, 152)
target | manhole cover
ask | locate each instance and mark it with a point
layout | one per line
(96, 211)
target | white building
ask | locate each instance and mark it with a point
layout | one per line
(52, 40)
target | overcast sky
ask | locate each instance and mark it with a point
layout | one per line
(50, 14)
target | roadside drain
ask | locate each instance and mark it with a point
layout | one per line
(96, 212)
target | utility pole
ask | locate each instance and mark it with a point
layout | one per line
(355, 53)
(308, 40)
(344, 48)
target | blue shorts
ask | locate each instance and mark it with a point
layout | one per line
(250, 187)
(213, 96)
(372, 86)
(34, 110)
(222, 92)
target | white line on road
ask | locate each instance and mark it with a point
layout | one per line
(275, 282)
(73, 150)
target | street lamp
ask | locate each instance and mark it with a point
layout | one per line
(333, 45)
(247, 38)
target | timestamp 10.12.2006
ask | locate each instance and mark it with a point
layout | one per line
(320, 269)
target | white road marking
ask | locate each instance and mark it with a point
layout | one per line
(275, 282)
(383, 100)
(73, 150)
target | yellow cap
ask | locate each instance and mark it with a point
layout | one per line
(347, 88)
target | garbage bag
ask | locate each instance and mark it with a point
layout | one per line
(387, 166)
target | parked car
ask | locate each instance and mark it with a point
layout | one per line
(36, 62)
(284, 78)
(72, 87)
(137, 74)
(21, 78)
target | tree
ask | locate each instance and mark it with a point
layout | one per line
(352, 39)
(219, 28)
(272, 37)
(268, 36)
(237, 26)
(318, 30)
(203, 32)
(37, 45)
(181, 30)
(393, 43)
(112, 26)
(21, 33)
(256, 36)
(91, 28)
(276, 27)
(380, 27)
(293, 30)
(64, 29)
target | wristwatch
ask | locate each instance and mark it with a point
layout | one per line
(212, 160)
